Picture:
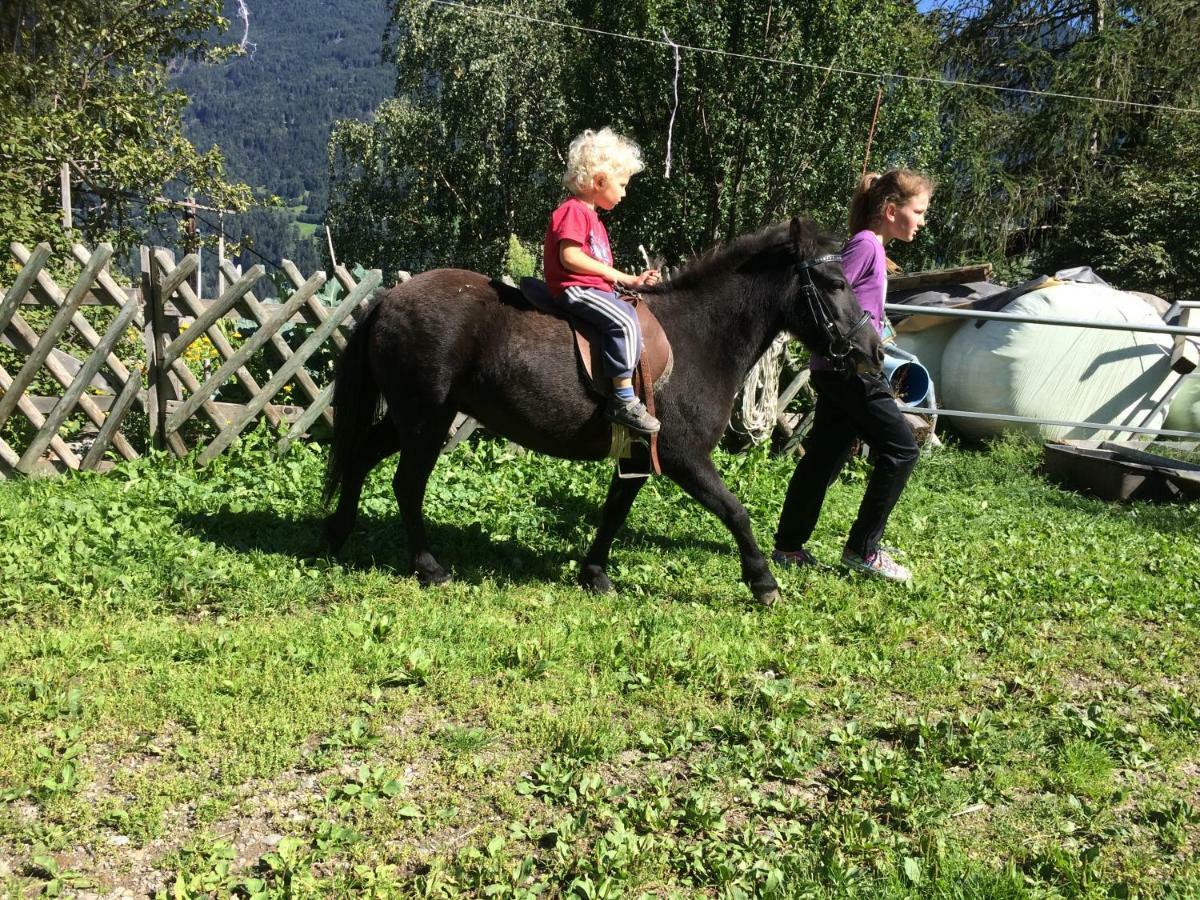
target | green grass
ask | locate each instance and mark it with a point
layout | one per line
(194, 702)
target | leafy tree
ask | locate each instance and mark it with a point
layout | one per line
(1048, 177)
(1138, 228)
(86, 83)
(471, 149)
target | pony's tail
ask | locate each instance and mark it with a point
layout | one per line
(356, 404)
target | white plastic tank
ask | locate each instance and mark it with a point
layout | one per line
(1056, 372)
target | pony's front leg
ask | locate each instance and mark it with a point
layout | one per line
(700, 478)
(621, 494)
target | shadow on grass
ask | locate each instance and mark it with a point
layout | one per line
(571, 510)
(376, 544)
(467, 550)
(1176, 519)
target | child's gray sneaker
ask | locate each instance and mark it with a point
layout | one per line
(632, 414)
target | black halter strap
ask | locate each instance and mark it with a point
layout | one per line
(838, 345)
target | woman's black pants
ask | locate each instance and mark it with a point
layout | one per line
(849, 407)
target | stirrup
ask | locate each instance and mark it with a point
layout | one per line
(637, 463)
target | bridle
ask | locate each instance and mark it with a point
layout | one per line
(822, 315)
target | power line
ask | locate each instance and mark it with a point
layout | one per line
(858, 73)
(278, 264)
(181, 206)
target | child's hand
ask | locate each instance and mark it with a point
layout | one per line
(648, 278)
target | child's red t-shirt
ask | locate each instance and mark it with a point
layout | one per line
(575, 221)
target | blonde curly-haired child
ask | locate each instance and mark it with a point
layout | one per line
(579, 269)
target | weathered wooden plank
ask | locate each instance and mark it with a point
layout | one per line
(158, 385)
(78, 321)
(20, 287)
(960, 275)
(247, 381)
(206, 318)
(116, 415)
(64, 378)
(38, 356)
(68, 400)
(464, 426)
(65, 359)
(154, 342)
(178, 367)
(794, 388)
(301, 425)
(93, 298)
(345, 279)
(172, 278)
(104, 298)
(1185, 355)
(282, 350)
(116, 294)
(225, 412)
(29, 408)
(8, 456)
(314, 340)
(316, 308)
(244, 352)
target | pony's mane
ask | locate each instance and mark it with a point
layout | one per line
(721, 259)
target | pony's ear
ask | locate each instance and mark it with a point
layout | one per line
(804, 232)
(797, 231)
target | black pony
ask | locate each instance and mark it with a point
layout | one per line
(451, 340)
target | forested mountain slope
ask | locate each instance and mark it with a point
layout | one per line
(309, 63)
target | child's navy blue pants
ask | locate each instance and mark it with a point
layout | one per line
(616, 320)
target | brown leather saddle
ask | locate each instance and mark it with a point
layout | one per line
(654, 366)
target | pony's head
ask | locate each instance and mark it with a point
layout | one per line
(822, 310)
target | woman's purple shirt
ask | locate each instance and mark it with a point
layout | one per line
(865, 265)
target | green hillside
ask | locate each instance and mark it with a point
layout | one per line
(310, 62)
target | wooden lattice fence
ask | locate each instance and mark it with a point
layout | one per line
(77, 388)
(175, 394)
(39, 353)
(177, 399)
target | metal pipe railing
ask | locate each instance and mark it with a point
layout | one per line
(1136, 327)
(1140, 327)
(1065, 423)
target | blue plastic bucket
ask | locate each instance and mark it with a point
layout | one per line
(908, 378)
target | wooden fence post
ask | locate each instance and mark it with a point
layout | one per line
(155, 339)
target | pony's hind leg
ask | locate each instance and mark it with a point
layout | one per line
(423, 437)
(621, 494)
(380, 443)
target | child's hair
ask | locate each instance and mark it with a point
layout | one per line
(596, 152)
(876, 191)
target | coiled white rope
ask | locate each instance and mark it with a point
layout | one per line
(757, 406)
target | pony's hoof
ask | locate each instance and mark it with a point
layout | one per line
(596, 580)
(768, 598)
(429, 570)
(434, 578)
(334, 536)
